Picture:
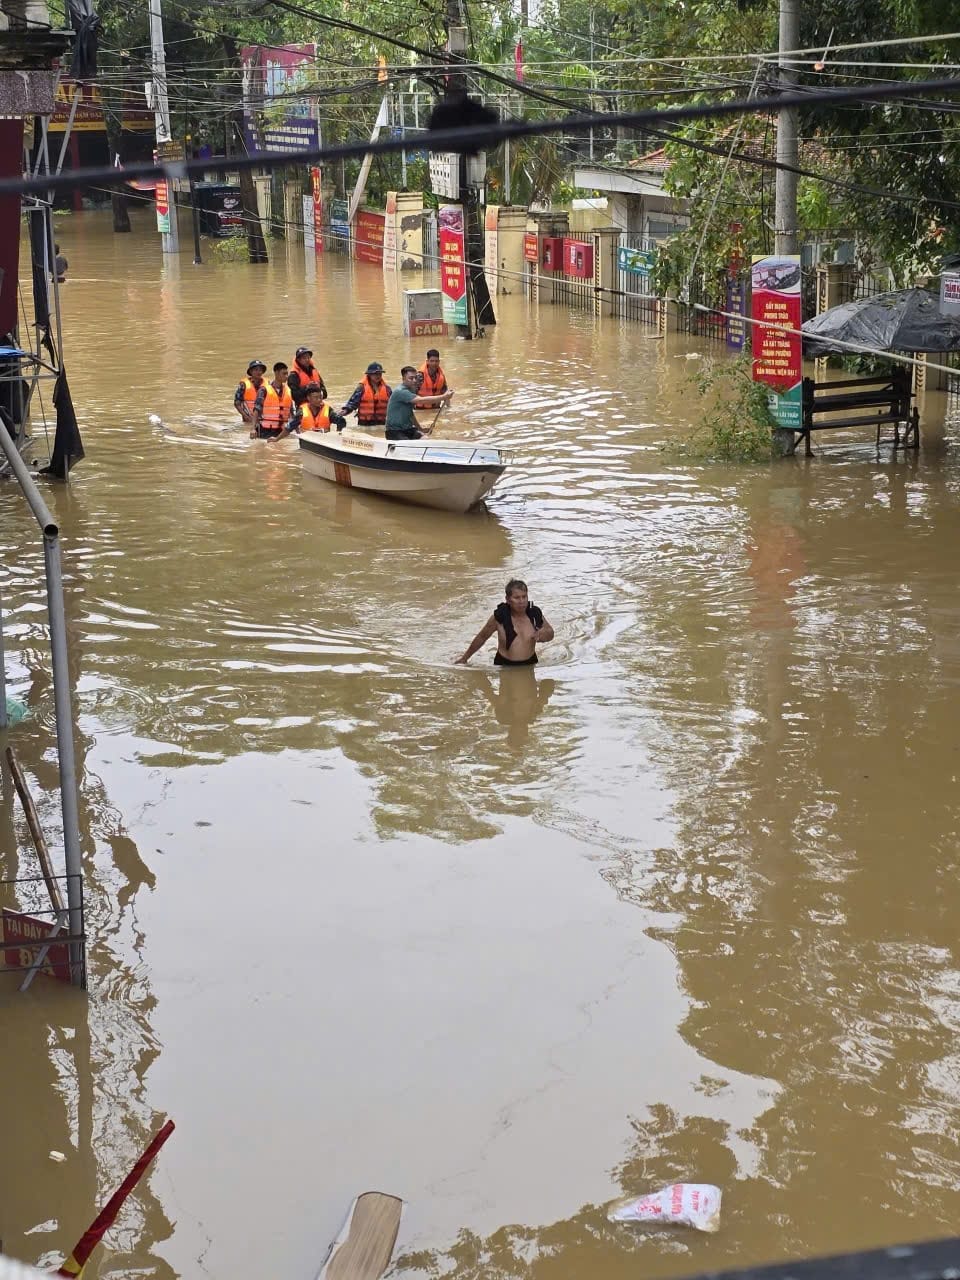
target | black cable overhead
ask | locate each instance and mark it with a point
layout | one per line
(472, 137)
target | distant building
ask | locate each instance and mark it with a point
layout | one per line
(637, 201)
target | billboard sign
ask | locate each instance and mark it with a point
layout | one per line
(777, 352)
(278, 109)
(453, 272)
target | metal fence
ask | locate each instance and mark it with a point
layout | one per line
(634, 298)
(578, 295)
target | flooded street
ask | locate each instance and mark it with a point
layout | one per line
(680, 905)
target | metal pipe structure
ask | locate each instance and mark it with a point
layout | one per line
(69, 801)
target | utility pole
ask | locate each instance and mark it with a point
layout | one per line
(161, 112)
(479, 307)
(788, 151)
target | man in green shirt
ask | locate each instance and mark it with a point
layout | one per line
(402, 422)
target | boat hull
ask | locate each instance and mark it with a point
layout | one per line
(369, 463)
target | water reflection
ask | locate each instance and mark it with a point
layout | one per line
(517, 698)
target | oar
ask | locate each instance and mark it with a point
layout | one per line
(428, 431)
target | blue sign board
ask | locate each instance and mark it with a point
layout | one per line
(638, 262)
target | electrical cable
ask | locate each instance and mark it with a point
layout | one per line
(471, 138)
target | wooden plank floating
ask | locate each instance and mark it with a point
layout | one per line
(363, 1249)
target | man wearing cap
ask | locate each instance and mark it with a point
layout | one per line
(252, 386)
(369, 401)
(304, 372)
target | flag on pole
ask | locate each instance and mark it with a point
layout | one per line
(105, 1219)
(518, 60)
(382, 76)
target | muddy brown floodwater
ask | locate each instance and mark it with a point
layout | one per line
(682, 904)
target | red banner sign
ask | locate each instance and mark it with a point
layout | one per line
(531, 250)
(453, 272)
(315, 180)
(777, 352)
(18, 928)
(368, 230)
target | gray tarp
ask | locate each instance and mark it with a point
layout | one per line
(905, 320)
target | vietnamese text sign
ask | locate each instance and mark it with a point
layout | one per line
(16, 928)
(278, 113)
(531, 248)
(339, 215)
(950, 293)
(453, 272)
(736, 328)
(637, 262)
(390, 233)
(491, 247)
(162, 198)
(316, 179)
(778, 355)
(368, 237)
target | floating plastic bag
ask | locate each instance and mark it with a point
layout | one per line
(685, 1204)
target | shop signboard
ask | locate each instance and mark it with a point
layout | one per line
(777, 351)
(278, 110)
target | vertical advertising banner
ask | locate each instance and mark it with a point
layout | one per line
(491, 248)
(453, 272)
(777, 355)
(736, 329)
(316, 178)
(390, 233)
(162, 198)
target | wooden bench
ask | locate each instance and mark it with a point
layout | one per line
(870, 402)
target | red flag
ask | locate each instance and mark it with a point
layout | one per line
(108, 1214)
(518, 60)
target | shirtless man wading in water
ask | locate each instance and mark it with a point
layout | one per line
(519, 626)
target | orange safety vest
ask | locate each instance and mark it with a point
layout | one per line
(430, 386)
(372, 409)
(307, 376)
(315, 422)
(277, 407)
(250, 392)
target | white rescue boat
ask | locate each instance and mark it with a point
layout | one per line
(452, 475)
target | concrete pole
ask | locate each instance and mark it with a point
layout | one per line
(788, 151)
(161, 111)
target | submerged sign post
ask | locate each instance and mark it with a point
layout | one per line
(453, 274)
(777, 352)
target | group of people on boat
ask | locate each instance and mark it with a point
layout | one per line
(295, 399)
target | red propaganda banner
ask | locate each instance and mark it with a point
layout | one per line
(368, 230)
(17, 928)
(777, 352)
(453, 272)
(531, 249)
(315, 181)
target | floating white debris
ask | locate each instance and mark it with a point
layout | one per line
(685, 1204)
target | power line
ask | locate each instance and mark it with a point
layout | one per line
(474, 137)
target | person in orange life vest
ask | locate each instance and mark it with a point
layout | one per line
(273, 407)
(369, 401)
(432, 379)
(314, 414)
(245, 396)
(304, 372)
